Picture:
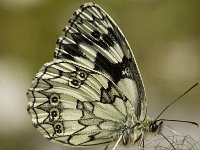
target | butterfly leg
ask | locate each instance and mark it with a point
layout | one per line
(106, 148)
(141, 142)
(117, 143)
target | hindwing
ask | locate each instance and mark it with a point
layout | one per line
(77, 106)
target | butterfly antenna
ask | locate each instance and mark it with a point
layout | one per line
(196, 84)
(185, 121)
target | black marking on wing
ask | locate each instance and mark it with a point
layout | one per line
(96, 34)
(104, 40)
(71, 49)
(65, 55)
(115, 70)
(79, 38)
(79, 105)
(107, 97)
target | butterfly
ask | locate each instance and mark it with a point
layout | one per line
(92, 92)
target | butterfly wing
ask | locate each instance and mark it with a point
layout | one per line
(93, 86)
(94, 40)
(75, 105)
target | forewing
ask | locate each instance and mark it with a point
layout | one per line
(94, 40)
(77, 106)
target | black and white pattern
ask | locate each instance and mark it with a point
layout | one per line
(92, 92)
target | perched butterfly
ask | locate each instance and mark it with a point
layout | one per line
(92, 92)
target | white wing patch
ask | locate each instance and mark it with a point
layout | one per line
(129, 89)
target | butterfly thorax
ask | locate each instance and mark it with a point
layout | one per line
(132, 131)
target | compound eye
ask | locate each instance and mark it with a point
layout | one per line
(154, 126)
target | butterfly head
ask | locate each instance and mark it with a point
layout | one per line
(156, 126)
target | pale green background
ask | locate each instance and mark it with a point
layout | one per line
(164, 35)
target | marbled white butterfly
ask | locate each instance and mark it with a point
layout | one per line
(92, 92)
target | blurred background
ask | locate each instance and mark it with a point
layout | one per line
(165, 38)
